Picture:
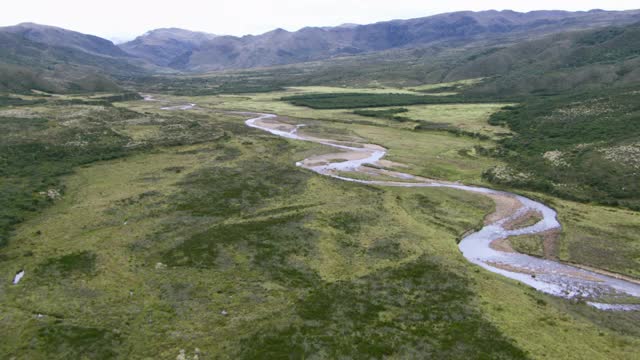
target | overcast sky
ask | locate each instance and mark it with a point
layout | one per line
(125, 19)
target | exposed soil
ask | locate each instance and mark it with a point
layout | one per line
(502, 245)
(608, 273)
(550, 244)
(527, 219)
(511, 268)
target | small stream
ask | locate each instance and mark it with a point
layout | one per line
(19, 275)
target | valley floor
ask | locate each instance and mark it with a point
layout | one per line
(205, 237)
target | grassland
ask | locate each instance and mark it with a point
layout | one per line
(462, 119)
(203, 234)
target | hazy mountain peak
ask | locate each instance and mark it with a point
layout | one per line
(56, 36)
(162, 46)
(176, 32)
(277, 32)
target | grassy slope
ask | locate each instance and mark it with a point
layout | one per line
(27, 65)
(579, 146)
(292, 268)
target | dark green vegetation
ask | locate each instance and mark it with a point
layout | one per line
(581, 147)
(360, 100)
(32, 160)
(378, 315)
(272, 241)
(242, 189)
(17, 101)
(237, 83)
(74, 264)
(384, 114)
(77, 342)
(249, 183)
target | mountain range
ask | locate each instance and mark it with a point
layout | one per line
(48, 58)
(281, 47)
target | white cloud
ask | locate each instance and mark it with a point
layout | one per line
(123, 19)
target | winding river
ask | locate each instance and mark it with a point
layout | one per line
(548, 276)
(598, 290)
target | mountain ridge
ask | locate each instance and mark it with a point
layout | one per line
(56, 36)
(282, 47)
(48, 58)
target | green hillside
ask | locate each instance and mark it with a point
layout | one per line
(582, 147)
(26, 64)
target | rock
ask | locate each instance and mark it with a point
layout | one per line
(160, 266)
(53, 194)
(224, 313)
(182, 355)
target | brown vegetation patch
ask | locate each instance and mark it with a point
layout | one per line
(529, 218)
(502, 245)
(550, 243)
(607, 273)
(510, 268)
